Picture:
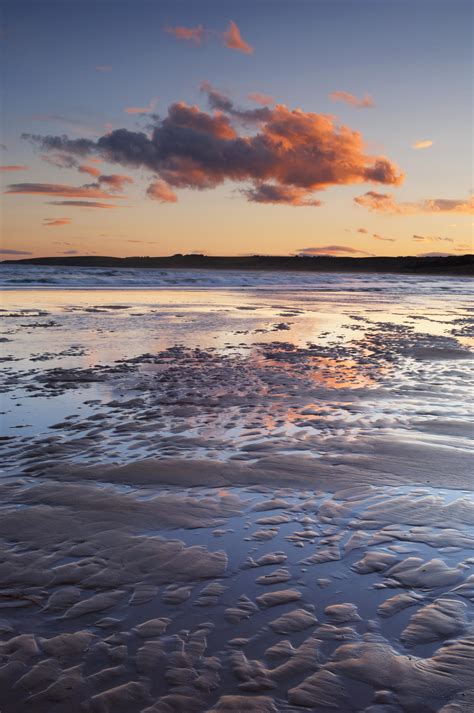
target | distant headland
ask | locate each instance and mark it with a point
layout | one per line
(462, 265)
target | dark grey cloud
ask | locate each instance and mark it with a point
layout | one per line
(59, 189)
(333, 250)
(84, 204)
(287, 195)
(221, 102)
(380, 237)
(291, 152)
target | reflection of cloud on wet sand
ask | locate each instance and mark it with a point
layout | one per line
(200, 500)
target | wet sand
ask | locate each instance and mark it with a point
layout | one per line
(237, 500)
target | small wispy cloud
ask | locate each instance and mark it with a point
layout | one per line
(231, 37)
(8, 251)
(161, 191)
(84, 204)
(432, 239)
(14, 167)
(260, 98)
(380, 237)
(234, 40)
(333, 250)
(142, 109)
(103, 68)
(58, 189)
(90, 170)
(425, 144)
(188, 34)
(365, 102)
(56, 222)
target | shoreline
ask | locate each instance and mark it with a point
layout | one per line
(455, 265)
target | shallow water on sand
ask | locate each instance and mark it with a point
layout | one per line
(238, 499)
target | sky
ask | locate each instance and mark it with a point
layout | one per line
(231, 128)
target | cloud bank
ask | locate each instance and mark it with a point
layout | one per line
(284, 155)
(386, 203)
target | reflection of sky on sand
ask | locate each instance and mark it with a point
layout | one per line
(112, 322)
(344, 343)
(335, 373)
(327, 432)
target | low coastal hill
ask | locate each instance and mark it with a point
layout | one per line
(462, 265)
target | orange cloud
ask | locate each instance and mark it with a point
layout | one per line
(90, 170)
(290, 155)
(365, 103)
(161, 191)
(56, 222)
(14, 168)
(423, 144)
(234, 40)
(141, 109)
(332, 250)
(230, 37)
(385, 203)
(262, 99)
(189, 34)
(362, 230)
(56, 189)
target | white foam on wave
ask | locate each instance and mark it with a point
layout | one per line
(60, 277)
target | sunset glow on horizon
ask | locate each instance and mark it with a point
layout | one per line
(236, 128)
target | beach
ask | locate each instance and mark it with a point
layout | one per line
(235, 491)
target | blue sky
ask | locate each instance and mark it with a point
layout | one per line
(412, 57)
